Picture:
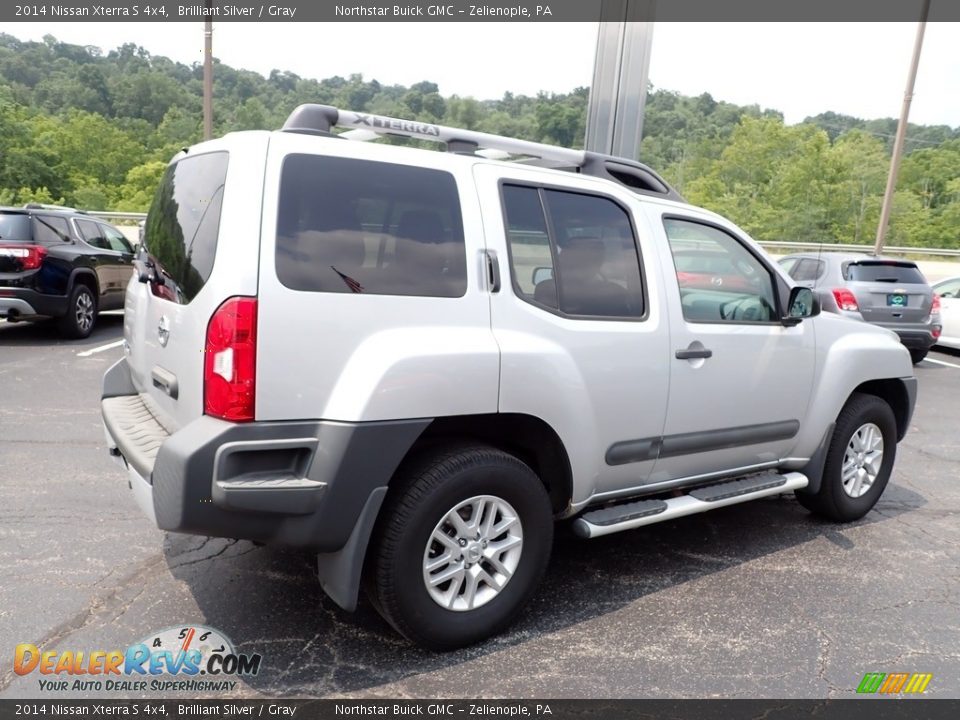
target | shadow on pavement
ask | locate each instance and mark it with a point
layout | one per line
(269, 600)
(43, 333)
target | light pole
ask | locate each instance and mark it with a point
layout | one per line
(901, 134)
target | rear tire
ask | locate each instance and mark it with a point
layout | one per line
(859, 461)
(494, 522)
(918, 355)
(81, 314)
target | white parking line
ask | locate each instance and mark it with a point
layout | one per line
(941, 362)
(108, 346)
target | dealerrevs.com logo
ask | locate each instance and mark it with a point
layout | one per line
(190, 658)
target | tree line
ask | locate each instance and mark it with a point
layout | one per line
(95, 130)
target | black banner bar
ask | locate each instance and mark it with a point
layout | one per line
(477, 11)
(852, 709)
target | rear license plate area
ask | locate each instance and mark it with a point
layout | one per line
(898, 300)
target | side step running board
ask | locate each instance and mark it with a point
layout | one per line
(627, 516)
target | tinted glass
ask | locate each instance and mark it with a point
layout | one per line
(808, 270)
(184, 221)
(15, 227)
(116, 240)
(738, 289)
(885, 272)
(50, 230)
(598, 269)
(355, 226)
(530, 254)
(93, 234)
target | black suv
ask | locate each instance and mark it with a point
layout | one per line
(61, 263)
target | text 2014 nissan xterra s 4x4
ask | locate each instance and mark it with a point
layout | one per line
(414, 362)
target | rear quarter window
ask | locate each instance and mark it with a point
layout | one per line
(180, 235)
(357, 226)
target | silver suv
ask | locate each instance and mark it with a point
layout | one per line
(888, 292)
(413, 363)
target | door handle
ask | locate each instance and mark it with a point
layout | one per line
(493, 271)
(694, 353)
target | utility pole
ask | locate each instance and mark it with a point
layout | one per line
(901, 134)
(208, 72)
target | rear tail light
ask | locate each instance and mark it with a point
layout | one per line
(935, 305)
(30, 256)
(230, 361)
(845, 299)
(935, 332)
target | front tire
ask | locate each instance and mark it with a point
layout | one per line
(859, 461)
(81, 314)
(462, 544)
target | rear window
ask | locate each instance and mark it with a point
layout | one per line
(356, 226)
(15, 227)
(905, 274)
(182, 227)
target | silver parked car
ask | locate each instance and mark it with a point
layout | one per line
(413, 363)
(888, 292)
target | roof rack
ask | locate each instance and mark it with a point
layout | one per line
(315, 119)
(48, 206)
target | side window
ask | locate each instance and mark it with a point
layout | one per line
(93, 234)
(949, 289)
(50, 230)
(808, 270)
(356, 226)
(572, 252)
(720, 280)
(116, 240)
(530, 252)
(788, 264)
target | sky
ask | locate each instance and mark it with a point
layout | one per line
(800, 69)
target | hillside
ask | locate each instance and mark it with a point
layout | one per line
(95, 130)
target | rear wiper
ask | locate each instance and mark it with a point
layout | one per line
(889, 280)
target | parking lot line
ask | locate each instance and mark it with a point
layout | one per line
(942, 362)
(108, 346)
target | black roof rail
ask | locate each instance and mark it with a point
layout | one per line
(315, 119)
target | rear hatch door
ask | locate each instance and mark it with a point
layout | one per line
(889, 291)
(200, 247)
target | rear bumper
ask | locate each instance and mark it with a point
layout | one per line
(302, 484)
(916, 338)
(15, 302)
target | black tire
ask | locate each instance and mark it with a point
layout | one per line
(424, 492)
(918, 355)
(832, 501)
(77, 323)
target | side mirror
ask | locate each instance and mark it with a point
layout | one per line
(803, 303)
(542, 273)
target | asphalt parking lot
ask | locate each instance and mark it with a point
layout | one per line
(756, 600)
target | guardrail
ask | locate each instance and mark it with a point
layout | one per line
(109, 215)
(868, 249)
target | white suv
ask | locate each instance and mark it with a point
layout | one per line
(414, 362)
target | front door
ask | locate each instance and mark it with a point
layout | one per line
(740, 381)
